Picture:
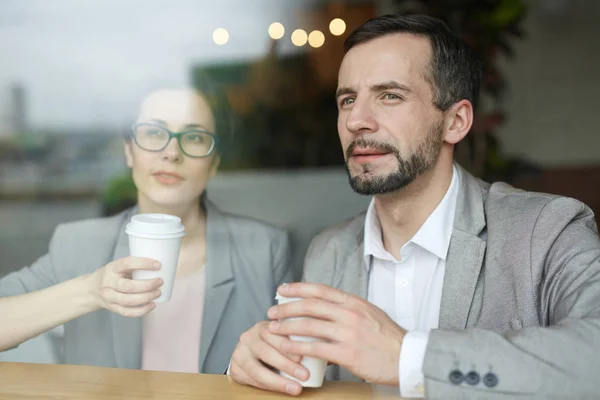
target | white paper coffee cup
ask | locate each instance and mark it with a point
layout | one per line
(156, 236)
(315, 366)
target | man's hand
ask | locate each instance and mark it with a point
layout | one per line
(259, 349)
(357, 335)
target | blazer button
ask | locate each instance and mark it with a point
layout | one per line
(456, 377)
(472, 378)
(490, 380)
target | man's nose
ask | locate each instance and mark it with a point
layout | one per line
(361, 119)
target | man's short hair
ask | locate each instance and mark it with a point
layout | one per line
(454, 72)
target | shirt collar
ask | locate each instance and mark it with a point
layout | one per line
(433, 236)
(373, 241)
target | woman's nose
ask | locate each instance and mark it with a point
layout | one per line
(173, 152)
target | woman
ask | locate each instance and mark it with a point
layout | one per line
(227, 273)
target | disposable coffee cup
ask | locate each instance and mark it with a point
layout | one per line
(315, 366)
(156, 236)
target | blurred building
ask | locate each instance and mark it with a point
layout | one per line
(13, 118)
(18, 103)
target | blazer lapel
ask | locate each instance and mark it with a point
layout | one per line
(354, 276)
(127, 332)
(219, 277)
(465, 255)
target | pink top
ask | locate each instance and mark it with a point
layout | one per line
(171, 332)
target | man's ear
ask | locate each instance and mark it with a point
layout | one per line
(458, 121)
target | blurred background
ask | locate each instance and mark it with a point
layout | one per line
(73, 74)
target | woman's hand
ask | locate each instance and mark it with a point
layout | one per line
(115, 290)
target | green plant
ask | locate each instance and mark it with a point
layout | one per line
(119, 194)
(288, 119)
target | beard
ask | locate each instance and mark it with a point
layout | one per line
(422, 160)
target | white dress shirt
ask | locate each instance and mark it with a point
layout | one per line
(409, 290)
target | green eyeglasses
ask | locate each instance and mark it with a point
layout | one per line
(193, 142)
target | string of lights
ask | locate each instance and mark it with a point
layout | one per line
(299, 37)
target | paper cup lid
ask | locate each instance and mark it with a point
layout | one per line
(155, 225)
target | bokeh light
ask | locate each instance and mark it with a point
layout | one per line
(337, 27)
(299, 37)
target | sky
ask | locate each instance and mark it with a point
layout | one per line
(89, 62)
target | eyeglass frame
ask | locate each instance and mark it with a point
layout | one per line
(176, 135)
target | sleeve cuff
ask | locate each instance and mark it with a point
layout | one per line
(410, 368)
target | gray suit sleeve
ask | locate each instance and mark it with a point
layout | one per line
(559, 358)
(40, 275)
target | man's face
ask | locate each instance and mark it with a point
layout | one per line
(390, 130)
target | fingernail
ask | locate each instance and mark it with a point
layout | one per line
(272, 313)
(156, 265)
(301, 374)
(282, 288)
(292, 389)
(274, 325)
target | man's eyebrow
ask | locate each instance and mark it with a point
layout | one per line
(341, 91)
(390, 85)
(344, 90)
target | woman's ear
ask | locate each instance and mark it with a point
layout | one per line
(128, 154)
(214, 165)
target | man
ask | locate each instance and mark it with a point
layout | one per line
(448, 287)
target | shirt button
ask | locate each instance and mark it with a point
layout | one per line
(403, 282)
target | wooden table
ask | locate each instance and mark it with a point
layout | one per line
(44, 381)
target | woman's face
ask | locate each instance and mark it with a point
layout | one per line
(170, 178)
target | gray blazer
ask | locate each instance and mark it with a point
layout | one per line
(246, 261)
(521, 294)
